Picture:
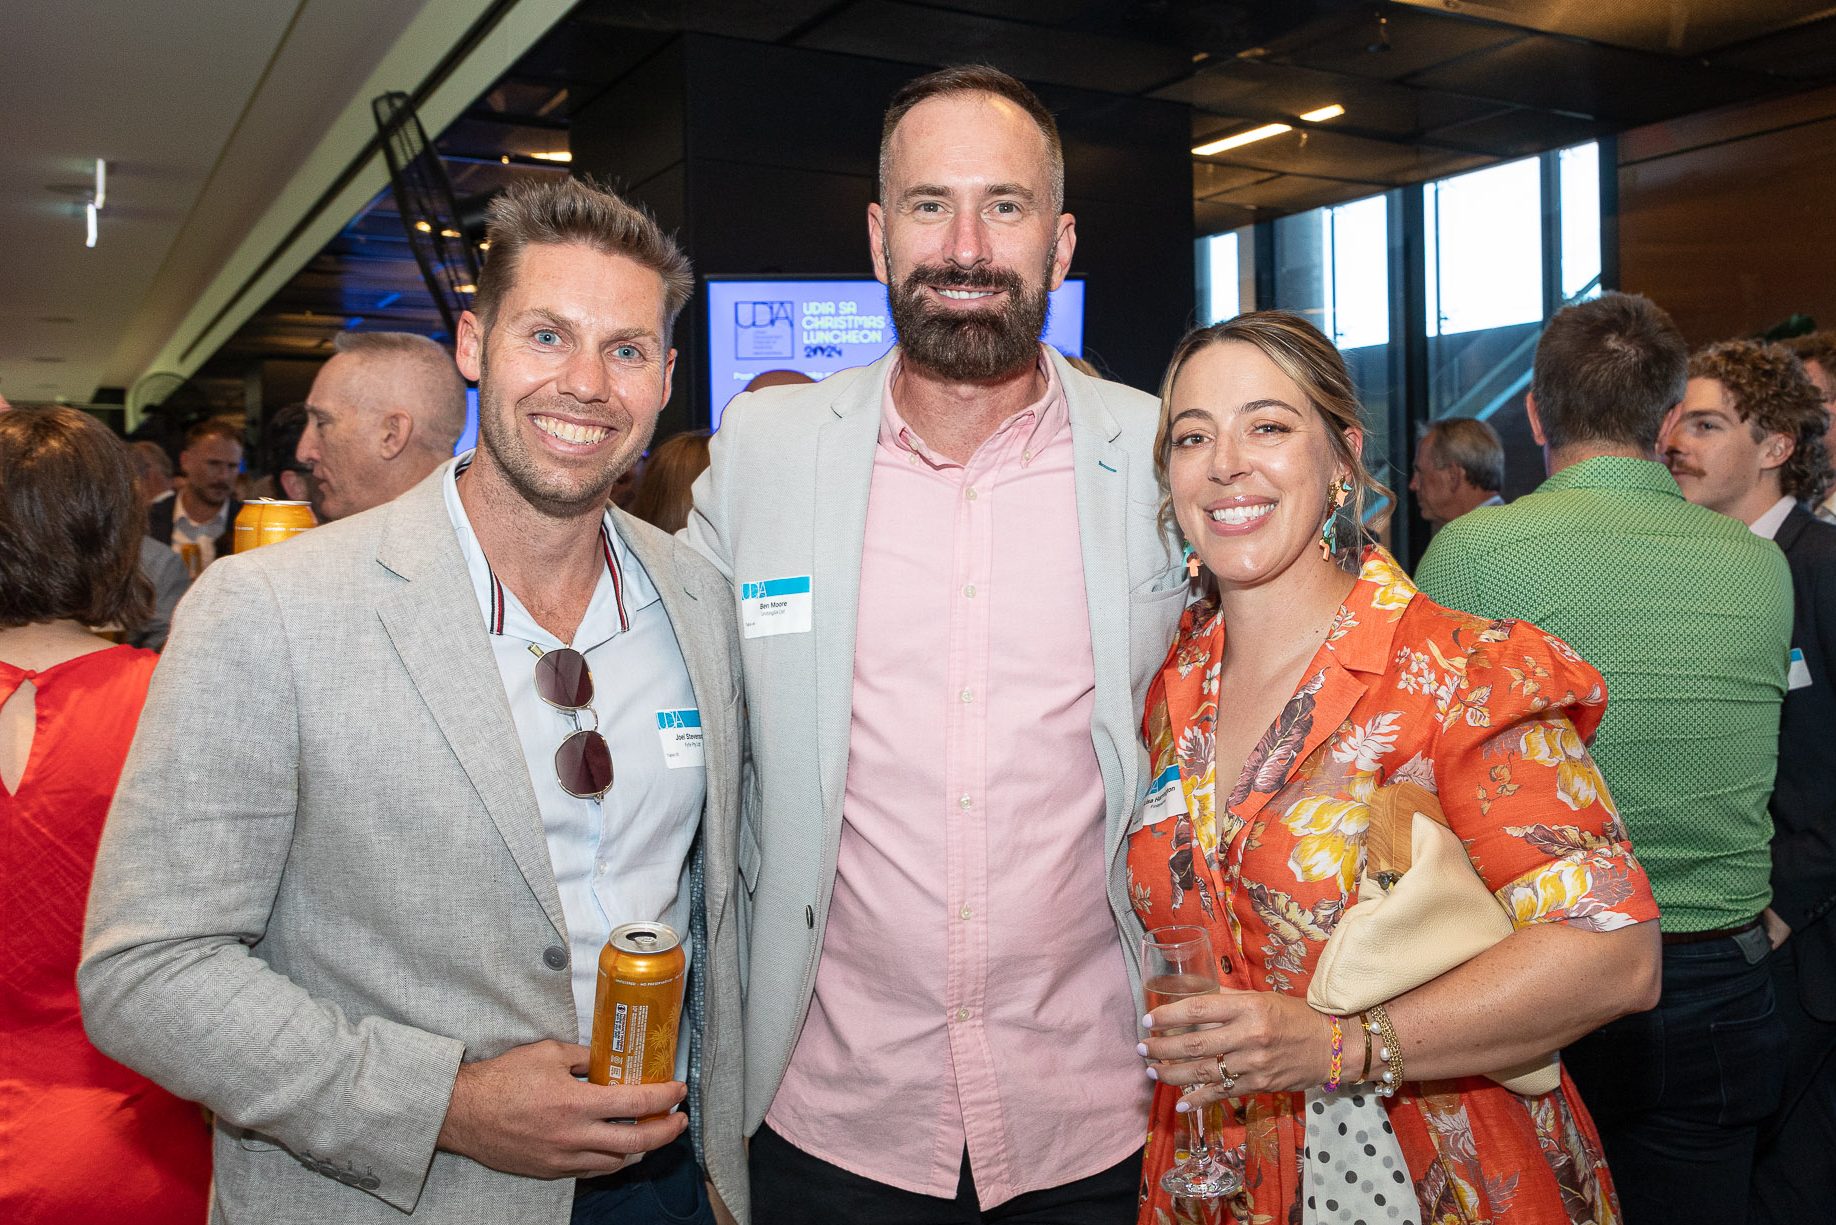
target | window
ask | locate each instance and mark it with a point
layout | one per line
(1578, 173)
(1220, 277)
(1485, 249)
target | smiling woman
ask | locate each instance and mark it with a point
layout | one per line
(1311, 681)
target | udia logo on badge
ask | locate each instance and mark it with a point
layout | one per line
(680, 732)
(1799, 676)
(1166, 798)
(775, 606)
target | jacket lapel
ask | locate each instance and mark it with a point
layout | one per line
(1100, 472)
(844, 466)
(433, 621)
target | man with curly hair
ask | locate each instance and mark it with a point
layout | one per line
(1818, 353)
(1749, 440)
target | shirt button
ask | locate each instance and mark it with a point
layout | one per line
(967, 695)
(1026, 456)
(965, 802)
(970, 493)
(962, 1014)
(969, 591)
(963, 913)
(554, 957)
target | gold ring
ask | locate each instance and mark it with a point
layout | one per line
(1225, 1079)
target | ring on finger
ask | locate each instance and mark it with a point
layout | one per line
(1225, 1079)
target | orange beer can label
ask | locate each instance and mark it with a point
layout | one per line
(248, 523)
(637, 1007)
(266, 521)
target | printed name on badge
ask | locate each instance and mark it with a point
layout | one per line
(775, 606)
(680, 732)
(1799, 677)
(1166, 798)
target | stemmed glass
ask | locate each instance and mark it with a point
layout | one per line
(1177, 963)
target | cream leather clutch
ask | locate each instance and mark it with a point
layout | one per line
(1436, 915)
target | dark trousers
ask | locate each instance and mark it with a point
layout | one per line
(1794, 1178)
(1679, 1093)
(663, 1189)
(790, 1187)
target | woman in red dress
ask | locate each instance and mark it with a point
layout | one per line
(1340, 678)
(82, 1139)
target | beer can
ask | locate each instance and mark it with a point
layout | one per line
(637, 1006)
(282, 521)
(248, 522)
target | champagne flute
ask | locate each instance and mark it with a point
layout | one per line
(1177, 963)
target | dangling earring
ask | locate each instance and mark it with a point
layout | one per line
(1192, 561)
(1337, 497)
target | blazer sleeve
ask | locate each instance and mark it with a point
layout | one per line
(1804, 853)
(172, 981)
(710, 521)
(1520, 788)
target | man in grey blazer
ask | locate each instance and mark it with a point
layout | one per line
(953, 593)
(363, 928)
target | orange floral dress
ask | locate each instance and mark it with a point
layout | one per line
(1493, 716)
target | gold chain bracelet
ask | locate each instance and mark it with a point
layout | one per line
(1390, 1052)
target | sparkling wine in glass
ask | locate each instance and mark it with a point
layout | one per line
(1176, 964)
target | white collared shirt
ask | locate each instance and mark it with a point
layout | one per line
(203, 534)
(1768, 524)
(623, 858)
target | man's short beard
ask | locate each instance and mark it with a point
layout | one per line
(970, 346)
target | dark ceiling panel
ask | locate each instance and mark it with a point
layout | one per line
(1408, 42)
(1674, 27)
(1806, 53)
(735, 18)
(1216, 216)
(1293, 193)
(1281, 91)
(1519, 133)
(1586, 80)
(883, 29)
(1325, 154)
(1210, 178)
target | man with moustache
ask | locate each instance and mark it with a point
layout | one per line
(953, 592)
(364, 929)
(1748, 441)
(197, 521)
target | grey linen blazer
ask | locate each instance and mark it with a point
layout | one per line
(787, 496)
(307, 923)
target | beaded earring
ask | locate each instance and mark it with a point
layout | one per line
(1192, 561)
(1338, 495)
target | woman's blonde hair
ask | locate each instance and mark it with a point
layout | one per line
(1307, 357)
(665, 493)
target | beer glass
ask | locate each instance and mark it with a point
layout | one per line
(1176, 963)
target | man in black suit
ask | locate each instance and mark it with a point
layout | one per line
(1748, 440)
(197, 523)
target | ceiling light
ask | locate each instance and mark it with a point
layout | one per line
(89, 212)
(505, 159)
(553, 157)
(101, 183)
(1241, 138)
(1323, 113)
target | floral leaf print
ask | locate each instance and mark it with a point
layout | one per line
(1269, 761)
(1329, 834)
(1291, 927)
(1418, 769)
(1578, 782)
(1364, 745)
(1558, 841)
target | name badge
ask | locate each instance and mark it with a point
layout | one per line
(1166, 798)
(1799, 677)
(775, 606)
(680, 732)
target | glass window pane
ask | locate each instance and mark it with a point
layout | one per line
(1485, 249)
(1219, 277)
(1579, 174)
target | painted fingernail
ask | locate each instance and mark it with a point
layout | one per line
(1147, 1022)
(1181, 1106)
(1152, 1074)
(1141, 1049)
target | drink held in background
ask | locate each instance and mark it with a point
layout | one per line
(266, 521)
(638, 1006)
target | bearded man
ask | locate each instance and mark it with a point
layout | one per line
(952, 593)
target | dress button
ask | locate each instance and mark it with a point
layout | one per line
(554, 957)
(370, 1183)
(962, 1014)
(969, 591)
(965, 803)
(963, 913)
(970, 493)
(967, 695)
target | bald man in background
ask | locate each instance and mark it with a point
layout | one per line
(384, 412)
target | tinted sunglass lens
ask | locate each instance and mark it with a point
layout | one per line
(583, 763)
(562, 679)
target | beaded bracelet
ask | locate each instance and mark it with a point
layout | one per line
(1338, 1055)
(1390, 1052)
(1364, 1027)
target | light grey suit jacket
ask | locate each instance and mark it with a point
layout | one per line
(787, 496)
(308, 917)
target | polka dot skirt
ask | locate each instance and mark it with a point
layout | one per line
(1354, 1166)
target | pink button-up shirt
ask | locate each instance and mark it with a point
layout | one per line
(972, 991)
